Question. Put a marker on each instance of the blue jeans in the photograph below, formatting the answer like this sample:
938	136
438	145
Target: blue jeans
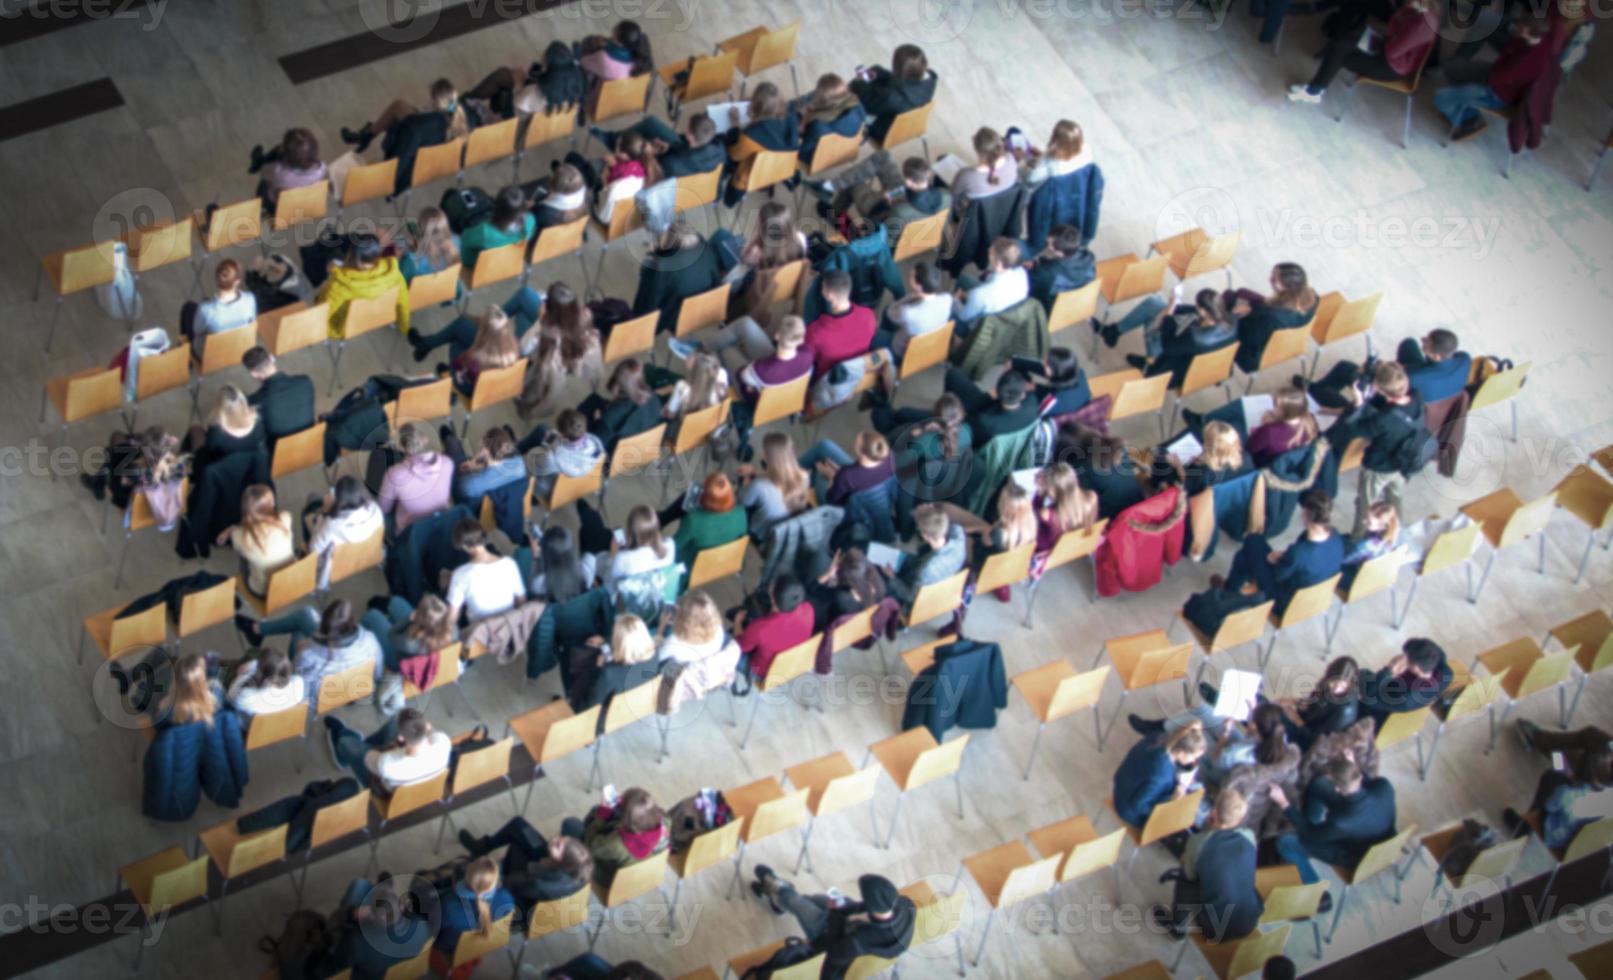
831	451
398	611
1460	103
1290	849
299	624
1141	315
460	333
351	747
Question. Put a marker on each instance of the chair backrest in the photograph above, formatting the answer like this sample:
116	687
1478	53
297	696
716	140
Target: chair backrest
696	427
624	220
1592	635
348	559
166	880
760	48
719	562
1093	855
205	608
1494	863
844	792
1309	602
1074	306
938	598
639	878
1591	839
553	732
834	150
631	337
1253	951
788	280
781	401
417	966
637	452
78	269
1285	345
1006	568
436	162
558	915
858	627
277	726
498	265
1109	385
1171	817
155	246
1343	318
1587	495
1139	396
622	96
1213	252
146	628
777	815
1132	277
1382	855
1546	671
1289	903
432	288
1146	659
1077	693
910	125
570	489
296	205
345	687
1208	369
938	917
703	310
546	127
920	236
254	851
474	946
1525	522
558	240
290	583
709	849
1076	544
482	766
370	181
696	190
710	74
1400	726
937	763
86	394
414	796
223	350
138	514
791	663
491	142
1028	880
298	451
1451	548
1499	387
294	327
234	224
423	402
926	351
1243	626
632	705
1375	575
336	820
163	372
497	385
770	167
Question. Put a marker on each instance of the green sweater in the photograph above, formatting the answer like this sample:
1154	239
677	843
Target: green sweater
484	237
702	529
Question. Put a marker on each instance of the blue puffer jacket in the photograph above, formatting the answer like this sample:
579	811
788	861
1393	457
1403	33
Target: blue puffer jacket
848	123
1073	199
185	761
873	273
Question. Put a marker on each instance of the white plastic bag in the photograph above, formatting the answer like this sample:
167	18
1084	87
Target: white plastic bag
142	344
119	298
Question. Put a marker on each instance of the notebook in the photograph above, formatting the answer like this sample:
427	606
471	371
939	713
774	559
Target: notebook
1240	691
719	115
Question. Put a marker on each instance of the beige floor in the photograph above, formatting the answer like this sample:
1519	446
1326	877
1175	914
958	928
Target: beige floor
1189	125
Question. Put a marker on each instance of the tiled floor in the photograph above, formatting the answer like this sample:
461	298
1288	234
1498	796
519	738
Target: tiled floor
1188	122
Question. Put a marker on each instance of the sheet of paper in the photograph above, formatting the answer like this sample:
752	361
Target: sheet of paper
1255	408
1239	691
947	168
884	556
1186	449
719	114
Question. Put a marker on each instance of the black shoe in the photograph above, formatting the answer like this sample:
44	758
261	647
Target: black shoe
1137	361
1143	726
1171	874
441	369
420	355
477	846
760	891
1208	692
1325	905
1110	334
1469	129
359	140
1175	843
444	431
251	629
741	685
413	336
1193	419
1300	381
94	484
257	159
1165	920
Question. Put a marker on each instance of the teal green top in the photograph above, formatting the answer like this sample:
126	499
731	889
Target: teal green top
484	236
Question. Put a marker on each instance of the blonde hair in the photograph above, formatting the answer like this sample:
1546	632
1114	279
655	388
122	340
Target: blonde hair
1187	740
1223	450
707	384
430	625
784	470
1072	508
434	239
193	696
1015	516
495	345
1292	408
259	513
931	521
482	875
696	619
232	411
1066	141
630	640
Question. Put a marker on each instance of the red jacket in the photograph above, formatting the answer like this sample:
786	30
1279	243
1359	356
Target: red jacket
1140	542
1410	36
1518	66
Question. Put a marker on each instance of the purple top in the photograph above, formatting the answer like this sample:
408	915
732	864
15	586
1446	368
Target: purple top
1270	441
770	372
416	487
857	478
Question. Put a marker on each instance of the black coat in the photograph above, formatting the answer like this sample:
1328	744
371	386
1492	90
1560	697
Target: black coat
215	499
407	137
683	160
846	938
297	812
416	559
670	276
285	402
1341	829
885	97
983	221
1256	328
1227	904
965	687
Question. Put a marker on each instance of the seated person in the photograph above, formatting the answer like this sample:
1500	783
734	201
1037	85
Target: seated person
619	832
1102	465
599	673
1289	425
230	307
346	514
545	87
1061	385
775	491
292	164
477	901
560	198
880	925
695	151
1006	284
1411	33
837	475
1315	557
713	520
285	402
888	92
1391	422
772	126
405	750
1520	64
995	171
364	274
780	620
1573	794
1215	890
322	642
418	485
496	346
568	448
1012	411
927	307
264	684
1292	304
146	461
375	930
885	195
262	538
1332	706
628	168
624	53
496	464
831	108
1343	815
510	222
788	359
682	264
1436	367
488	584
627	407
406	129
941	554
407	632
1157	770
706	385
1414	679
1064	264
641	547
1381	536
559	573
429	245
522	308
1176	333
844	331
534	869
849	585
1222	461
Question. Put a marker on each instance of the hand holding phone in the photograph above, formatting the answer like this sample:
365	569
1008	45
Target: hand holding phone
1558	762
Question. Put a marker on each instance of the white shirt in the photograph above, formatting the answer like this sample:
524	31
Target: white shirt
684	652
680	394
250	700
352	527
918	315
636	561
486	589
396	767
996	294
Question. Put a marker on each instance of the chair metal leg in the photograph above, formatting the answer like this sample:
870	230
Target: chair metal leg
1573	705
1338	912
985	934
1473	593
1037	742
895	817
1585	557
50	334
755	708
593	770
806	842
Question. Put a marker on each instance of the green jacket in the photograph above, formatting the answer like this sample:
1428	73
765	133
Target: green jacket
1019	331
702	529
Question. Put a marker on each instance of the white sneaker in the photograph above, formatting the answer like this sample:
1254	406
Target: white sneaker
1301	93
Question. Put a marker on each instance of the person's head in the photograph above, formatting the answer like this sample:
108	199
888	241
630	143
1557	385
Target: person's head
430	624
563	308
1344	774
495	345
878	895
1066	141
349	494
414	438
1383	521
1230	809
444	96
1291	288
299	149
789	335
572	857
363	250
1390	381
1004	254
783	467
1339	679
1212	309
776	237
338	623
908	63
1268	722
1012	388
949	419
787	591
469	536
1223	449
630	640
1293	409
702	129
917	175
926	279
1015	515
227	276
572	425
274	669
1316	507
643	530
717	494
627	381
1532	28
1423	655
858	575
632	37
831	90
633	144
499	443
990	151
932	524
1186	745
708	382
1281	967
1440	344
414	731
1064	240
563	576
1062	486
1063	367
260	515
696	619
193	696
481	880
568	181
259	363
233	411
640	815
767	102
509	208
871	447
836	286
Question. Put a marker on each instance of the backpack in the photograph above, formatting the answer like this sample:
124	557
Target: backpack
1414	452
466	207
689	818
1469	842
305	942
608	313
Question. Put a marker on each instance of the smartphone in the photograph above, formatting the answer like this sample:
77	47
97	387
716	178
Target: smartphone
1558	762
620	536
1176	295
609	795
1018	144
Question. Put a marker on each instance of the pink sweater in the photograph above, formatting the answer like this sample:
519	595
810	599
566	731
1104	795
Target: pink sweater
415	488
